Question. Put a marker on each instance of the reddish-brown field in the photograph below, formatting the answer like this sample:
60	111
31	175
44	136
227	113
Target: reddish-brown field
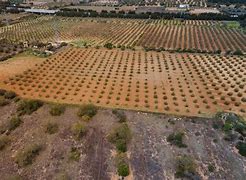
186	84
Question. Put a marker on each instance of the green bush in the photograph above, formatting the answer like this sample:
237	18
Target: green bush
57	110
122	165
14	123
237	52
121	145
185	164
51	128
121	115
3	101
28	106
4	141
241	146
78	130
27	156
211	168
74	154
10	95
108	45
241	128
120	136
87	110
177	139
227	127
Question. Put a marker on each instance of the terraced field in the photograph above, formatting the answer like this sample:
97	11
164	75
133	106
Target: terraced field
182	83
203	36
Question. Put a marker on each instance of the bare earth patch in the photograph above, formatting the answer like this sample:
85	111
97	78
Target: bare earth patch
17	65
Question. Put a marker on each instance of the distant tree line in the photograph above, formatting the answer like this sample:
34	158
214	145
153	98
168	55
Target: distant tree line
243	23
3	5
227	1
131	14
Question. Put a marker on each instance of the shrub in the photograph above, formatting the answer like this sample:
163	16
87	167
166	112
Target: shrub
14	177
87	110
211	168
14	123
78	130
241	146
74	154
121	115
4	141
121	145
28	106
108	45
122	165
120	136
237	52
177	139
2	92
10	95
57	110
62	176
3	101
51	128
240	127
27	156
185	165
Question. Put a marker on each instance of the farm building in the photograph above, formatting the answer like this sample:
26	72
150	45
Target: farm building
41	11
150	9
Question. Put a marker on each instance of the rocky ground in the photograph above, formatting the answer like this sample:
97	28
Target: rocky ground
150	155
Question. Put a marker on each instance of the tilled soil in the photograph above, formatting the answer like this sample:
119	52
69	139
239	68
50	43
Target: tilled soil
174	83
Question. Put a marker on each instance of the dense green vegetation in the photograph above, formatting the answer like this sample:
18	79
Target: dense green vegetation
122	165
177	139
234	128
28	106
227	1
89	13
120	136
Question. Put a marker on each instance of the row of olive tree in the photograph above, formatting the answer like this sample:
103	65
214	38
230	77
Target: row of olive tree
156	15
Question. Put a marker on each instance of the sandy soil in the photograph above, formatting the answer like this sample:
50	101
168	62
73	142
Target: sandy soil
186	84
17	65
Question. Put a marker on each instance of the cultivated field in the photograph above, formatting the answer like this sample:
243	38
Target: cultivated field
187	84
201	36
8	50
12	17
